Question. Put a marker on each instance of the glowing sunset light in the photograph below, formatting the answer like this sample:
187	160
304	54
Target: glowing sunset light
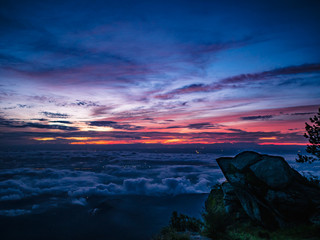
177	77
268	138
45	139
171	141
99	142
77	138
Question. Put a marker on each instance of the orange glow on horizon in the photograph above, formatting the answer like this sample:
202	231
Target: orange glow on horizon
76	138
174	141
45	139
100	142
268	138
148	141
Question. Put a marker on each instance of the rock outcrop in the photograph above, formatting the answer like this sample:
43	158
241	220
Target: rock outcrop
269	190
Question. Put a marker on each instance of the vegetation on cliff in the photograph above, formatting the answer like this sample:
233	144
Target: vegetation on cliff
218	225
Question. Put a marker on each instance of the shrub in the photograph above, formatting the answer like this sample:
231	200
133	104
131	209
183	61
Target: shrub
216	220
179	227
312	179
182	223
168	233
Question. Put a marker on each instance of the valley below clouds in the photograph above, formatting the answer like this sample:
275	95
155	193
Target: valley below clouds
35	181
31	185
119	194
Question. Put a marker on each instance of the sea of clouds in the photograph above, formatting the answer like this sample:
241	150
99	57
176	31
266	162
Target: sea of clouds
36	181
32	182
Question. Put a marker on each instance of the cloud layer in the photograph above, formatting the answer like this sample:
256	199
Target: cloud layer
32	185
80	176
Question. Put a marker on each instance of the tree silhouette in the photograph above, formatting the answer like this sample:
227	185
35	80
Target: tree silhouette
313	136
182	223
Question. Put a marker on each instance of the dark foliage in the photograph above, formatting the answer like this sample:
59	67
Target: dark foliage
312	179
313	136
216	220
167	233
179	228
182	223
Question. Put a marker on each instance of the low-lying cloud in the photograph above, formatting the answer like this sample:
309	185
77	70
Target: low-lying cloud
31	185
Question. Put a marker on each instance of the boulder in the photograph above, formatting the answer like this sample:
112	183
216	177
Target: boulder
230	199
269	190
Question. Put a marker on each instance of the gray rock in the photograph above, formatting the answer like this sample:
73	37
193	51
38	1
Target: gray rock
269	190
244	159
231	202
274	171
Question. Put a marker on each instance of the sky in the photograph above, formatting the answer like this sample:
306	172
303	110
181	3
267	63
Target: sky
168	72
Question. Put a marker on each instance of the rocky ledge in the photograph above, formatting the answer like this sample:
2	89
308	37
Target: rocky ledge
269	190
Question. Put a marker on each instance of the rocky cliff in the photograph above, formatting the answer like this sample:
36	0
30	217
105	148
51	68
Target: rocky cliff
269	190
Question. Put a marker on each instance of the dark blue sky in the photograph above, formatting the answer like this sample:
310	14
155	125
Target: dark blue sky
158	71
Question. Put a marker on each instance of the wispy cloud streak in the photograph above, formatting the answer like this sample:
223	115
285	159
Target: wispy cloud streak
242	79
